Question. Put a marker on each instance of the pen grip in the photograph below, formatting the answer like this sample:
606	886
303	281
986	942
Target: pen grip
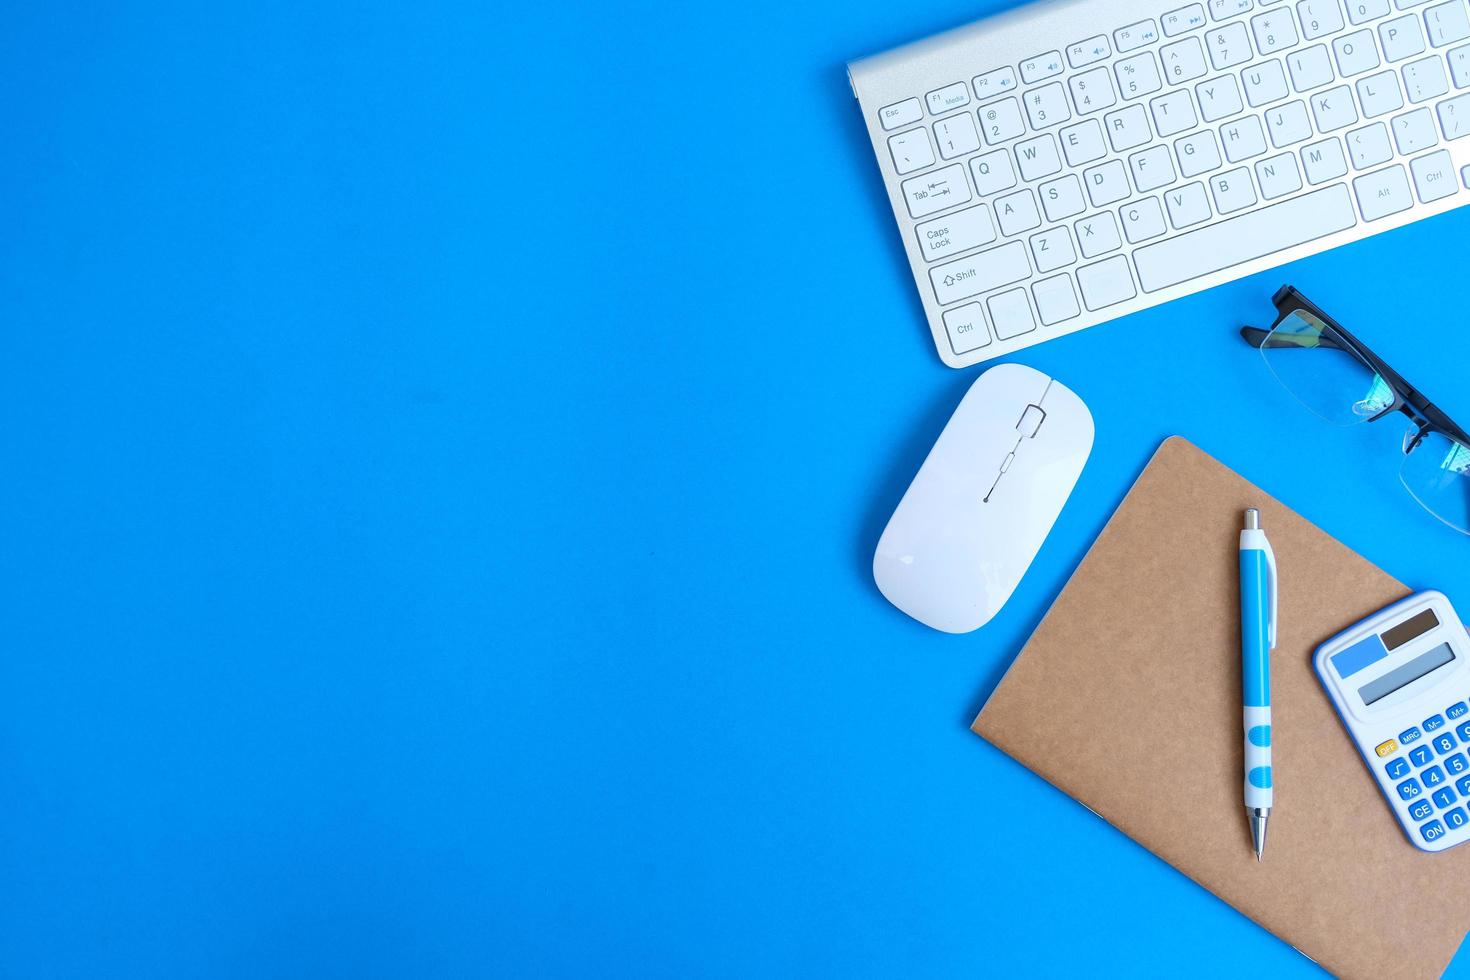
1258	757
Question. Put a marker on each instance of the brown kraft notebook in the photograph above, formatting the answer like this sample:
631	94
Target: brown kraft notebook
1145	638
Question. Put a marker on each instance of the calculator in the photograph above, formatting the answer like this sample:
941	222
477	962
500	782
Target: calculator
1400	681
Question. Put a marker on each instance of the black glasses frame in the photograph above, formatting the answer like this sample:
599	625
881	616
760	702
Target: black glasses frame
1406	398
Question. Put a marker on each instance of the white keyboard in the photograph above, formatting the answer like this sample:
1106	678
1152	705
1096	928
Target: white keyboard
1071	161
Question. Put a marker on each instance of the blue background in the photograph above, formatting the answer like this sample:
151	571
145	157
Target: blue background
443	449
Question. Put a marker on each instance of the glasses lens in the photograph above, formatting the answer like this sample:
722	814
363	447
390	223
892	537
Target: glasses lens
1328	379
1437	473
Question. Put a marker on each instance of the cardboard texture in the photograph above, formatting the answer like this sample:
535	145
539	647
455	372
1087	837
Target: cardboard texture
1127	697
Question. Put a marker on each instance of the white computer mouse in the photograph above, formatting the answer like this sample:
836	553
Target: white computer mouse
985	499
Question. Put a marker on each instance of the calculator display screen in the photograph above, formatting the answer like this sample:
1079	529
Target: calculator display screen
1407	674
1410	629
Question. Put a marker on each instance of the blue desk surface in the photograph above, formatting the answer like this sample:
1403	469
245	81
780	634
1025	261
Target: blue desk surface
443	453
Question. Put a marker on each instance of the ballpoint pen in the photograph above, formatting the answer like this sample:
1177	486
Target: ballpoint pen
1258	603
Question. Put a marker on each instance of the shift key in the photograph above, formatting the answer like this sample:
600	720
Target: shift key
980	273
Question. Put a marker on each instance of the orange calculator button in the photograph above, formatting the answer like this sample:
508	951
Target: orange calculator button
1387	748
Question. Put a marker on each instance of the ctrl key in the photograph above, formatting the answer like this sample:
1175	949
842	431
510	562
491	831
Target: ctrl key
966	328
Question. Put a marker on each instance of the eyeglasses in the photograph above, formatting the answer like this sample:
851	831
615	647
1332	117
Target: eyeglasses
1336	377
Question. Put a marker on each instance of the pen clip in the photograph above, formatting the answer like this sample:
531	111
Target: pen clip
1271	564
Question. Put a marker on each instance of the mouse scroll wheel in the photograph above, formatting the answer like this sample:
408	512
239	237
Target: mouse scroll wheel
1031	420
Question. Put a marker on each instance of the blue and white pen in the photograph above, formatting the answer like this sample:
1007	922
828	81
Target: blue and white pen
1257	639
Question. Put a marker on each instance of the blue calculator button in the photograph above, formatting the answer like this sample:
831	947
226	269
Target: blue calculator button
1456	710
1463	785
1443	797
1408	735
1464	732
1420	810
1434	724
1456	764
1397	769
1432	831
1432	776
1456	818
1408	789
1444	744
1421	756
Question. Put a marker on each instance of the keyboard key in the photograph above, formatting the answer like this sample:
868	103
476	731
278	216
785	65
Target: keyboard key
1369	147
911	151
1229	46
1056	300
1402	37
1433	177
1010	312
1457	710
1414	131
1001	121
1274	30
947	98
1425	79
954	233
966	328
900	114
1092	91
1409	736
1221	9
1135	36
1333	109
1173	113
980	273
1397	769
1454	117
1421	756
1176	22
1421	809
1443	797
1379	94
1052	249
1106	183
1409	789
1309	67
1038	157
1447	23
1362	11
1138	76
931	193
1198	154
995	82
1444	744
1083	143
956	136
1084	53
1278	176
1407	4
1183	60
1456	764
1460	66
1097	234
1047	106
1289	124
1355	53
1455	818
1105	283
1041	67
1433	723
1433	776
1249	236
1152	168
1232	191
1218	98
1242	139
1189	205
1142	220
1432	831
1319	18
1017	212
1127	128
993	172
1264	83
1062	198
1324	161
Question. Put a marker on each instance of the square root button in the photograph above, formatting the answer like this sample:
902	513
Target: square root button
966	328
